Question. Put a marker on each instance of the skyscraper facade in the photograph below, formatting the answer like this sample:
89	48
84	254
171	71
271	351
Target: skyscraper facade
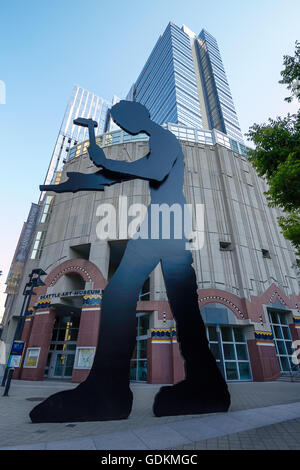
167	84
219	104
184	82
85	104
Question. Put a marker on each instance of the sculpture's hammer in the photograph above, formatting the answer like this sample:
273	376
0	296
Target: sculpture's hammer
87	123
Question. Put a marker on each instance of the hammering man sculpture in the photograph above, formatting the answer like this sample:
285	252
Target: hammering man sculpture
106	394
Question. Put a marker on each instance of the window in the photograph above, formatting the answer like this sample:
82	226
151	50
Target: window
46	209
108	139
72	153
85	146
32	357
84	357
38	245
266	253
229	347
225	246
282	340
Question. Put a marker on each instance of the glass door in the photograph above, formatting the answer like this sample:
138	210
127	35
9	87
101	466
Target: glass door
62	349
230	351
62	365
138	364
282	340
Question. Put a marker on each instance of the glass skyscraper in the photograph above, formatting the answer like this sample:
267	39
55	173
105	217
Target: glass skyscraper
167	84
82	103
184	82
219	104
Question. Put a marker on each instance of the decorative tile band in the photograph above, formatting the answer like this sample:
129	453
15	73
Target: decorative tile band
265	343
90	308
264	335
91	299
163	334
161	341
43	304
217	297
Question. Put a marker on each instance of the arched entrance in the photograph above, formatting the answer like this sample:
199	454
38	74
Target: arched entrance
65	309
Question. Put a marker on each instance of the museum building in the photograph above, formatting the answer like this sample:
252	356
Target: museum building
246	271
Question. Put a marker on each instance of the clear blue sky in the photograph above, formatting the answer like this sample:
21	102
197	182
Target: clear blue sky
48	45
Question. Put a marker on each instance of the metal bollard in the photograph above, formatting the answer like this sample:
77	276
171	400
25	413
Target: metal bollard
7	385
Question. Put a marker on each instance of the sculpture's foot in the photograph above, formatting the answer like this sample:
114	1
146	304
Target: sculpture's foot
84	403
186	398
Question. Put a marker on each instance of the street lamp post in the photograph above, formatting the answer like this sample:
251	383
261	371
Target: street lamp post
34	281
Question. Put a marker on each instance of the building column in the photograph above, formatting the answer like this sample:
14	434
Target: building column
87	336
264	362
159	357
39	337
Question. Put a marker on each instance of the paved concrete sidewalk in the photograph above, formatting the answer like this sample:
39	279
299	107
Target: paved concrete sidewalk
279	436
254	405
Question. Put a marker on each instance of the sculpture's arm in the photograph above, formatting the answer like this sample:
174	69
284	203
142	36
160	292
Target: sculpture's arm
146	168
85	182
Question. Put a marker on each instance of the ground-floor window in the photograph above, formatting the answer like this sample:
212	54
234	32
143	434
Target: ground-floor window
138	364
229	347
61	356
283	340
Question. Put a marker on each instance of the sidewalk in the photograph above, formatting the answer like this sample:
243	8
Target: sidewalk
259	412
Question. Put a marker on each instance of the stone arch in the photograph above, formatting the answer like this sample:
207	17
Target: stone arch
234	305
86	269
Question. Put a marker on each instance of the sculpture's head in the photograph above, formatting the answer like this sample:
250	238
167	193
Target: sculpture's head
131	116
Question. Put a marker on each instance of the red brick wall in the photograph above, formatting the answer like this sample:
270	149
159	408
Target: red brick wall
264	363
41	333
87	336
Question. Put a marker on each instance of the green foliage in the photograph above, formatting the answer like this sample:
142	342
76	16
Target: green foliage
273	144
276	156
291	73
285	184
290	226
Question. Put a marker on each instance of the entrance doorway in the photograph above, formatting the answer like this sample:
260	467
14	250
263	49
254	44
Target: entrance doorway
61	356
61	365
229	347
283	340
138	364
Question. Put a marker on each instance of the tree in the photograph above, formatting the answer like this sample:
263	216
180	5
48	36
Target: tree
276	156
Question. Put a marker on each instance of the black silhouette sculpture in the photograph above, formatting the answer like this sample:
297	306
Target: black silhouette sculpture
105	394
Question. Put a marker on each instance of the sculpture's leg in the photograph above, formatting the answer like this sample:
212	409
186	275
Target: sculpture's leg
105	395
204	390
